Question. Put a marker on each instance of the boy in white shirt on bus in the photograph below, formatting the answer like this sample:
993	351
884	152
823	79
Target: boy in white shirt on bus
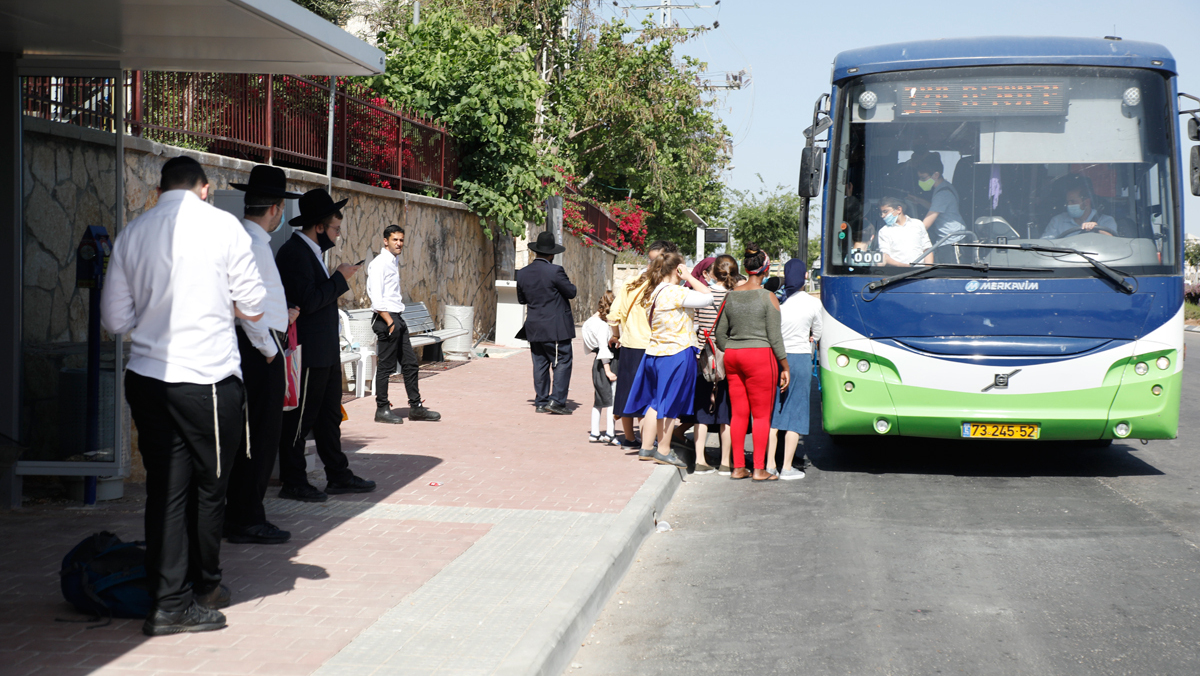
902	239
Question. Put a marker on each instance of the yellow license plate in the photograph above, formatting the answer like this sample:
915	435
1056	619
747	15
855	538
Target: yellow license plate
977	430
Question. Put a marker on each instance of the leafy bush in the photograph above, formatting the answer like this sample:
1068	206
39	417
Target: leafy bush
1191	293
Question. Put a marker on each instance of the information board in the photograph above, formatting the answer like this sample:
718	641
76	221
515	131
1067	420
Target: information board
981	97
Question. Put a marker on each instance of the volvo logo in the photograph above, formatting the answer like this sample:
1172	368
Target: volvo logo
1001	381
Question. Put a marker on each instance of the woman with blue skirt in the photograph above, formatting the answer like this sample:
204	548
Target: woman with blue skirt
666	379
801	324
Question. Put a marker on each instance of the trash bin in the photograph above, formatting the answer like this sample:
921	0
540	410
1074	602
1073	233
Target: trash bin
458	317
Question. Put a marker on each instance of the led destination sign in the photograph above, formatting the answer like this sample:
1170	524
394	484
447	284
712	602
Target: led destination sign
981	97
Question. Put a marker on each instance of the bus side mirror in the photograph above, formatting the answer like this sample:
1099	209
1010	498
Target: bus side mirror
1194	129
1195	172
812	160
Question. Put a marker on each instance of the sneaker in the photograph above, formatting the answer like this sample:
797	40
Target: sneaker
702	468
646	453
668	459
421	413
604	438
303	493
772	471
195	618
258	534
791	474
352	485
216	599
724	470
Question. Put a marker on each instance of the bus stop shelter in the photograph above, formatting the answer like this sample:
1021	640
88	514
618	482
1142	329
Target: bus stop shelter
104	38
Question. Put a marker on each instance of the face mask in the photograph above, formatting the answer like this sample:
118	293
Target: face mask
324	242
890	219
1075	210
925	185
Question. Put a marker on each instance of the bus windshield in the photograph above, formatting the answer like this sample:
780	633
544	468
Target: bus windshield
1064	157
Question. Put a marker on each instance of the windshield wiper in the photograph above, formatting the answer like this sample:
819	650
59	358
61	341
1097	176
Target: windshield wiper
1115	276
981	267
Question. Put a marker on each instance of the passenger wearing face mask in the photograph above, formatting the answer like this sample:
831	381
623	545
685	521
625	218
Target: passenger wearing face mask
1080	216
901	239
311	287
943	217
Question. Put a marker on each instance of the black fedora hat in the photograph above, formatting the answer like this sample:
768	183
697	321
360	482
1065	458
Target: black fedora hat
545	245
268	181
315	205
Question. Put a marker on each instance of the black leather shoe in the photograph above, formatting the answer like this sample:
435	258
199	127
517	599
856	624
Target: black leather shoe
384	414
352	485
258	534
305	493
216	599
422	413
558	409
539	409
195	618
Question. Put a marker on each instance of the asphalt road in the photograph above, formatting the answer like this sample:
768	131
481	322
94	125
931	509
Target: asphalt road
946	558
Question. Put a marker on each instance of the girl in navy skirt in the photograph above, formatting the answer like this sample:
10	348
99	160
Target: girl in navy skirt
666	379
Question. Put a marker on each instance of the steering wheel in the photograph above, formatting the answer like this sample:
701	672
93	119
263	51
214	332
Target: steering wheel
1075	231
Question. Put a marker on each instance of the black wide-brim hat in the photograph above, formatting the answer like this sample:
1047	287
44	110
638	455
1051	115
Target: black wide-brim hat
546	245
315	205
269	181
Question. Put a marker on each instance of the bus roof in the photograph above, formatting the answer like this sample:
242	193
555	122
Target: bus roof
999	51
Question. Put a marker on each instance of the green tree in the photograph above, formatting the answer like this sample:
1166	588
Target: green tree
770	218
483	85
333	11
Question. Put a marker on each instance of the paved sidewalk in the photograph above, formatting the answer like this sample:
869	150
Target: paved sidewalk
493	540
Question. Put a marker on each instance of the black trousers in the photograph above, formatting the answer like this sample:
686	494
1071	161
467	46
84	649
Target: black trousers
390	348
546	356
265	385
187	435
319	412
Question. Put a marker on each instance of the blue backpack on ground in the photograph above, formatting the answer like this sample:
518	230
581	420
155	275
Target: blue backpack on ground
105	577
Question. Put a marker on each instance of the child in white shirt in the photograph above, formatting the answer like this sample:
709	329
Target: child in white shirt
596	336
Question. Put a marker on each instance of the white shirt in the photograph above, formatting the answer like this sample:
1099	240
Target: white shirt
383	283
316	249
174	276
800	317
275	314
906	242
596	333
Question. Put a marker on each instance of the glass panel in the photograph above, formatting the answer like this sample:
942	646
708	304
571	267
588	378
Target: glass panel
1068	157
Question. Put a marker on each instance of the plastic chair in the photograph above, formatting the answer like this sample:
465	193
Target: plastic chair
358	328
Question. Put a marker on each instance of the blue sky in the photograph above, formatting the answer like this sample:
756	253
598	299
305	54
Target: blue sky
790	45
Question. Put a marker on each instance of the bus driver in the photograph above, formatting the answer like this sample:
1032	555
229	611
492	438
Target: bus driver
901	239
1080	215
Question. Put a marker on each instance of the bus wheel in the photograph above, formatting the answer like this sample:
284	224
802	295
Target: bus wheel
1098	443
846	442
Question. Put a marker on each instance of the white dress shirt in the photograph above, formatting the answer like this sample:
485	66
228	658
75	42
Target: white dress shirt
173	278
383	283
275	314
800	317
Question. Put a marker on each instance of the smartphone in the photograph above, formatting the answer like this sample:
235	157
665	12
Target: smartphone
360	262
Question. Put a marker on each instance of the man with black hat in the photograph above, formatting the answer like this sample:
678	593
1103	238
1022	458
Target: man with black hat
261	345
310	287
549	324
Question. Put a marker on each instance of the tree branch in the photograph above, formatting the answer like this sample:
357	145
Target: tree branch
585	130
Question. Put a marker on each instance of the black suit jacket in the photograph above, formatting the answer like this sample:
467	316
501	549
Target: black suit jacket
544	287
308	287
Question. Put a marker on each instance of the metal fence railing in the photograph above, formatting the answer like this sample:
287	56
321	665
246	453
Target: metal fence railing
275	119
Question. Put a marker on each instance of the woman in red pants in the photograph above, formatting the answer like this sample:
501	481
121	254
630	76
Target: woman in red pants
749	332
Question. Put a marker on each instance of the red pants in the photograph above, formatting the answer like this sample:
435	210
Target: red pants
753	375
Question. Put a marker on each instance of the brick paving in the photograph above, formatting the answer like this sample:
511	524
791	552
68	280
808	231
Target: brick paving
478	520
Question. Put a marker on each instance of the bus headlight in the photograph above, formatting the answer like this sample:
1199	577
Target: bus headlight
1122	429
1163	363
863	366
882	426
1156	390
843	361
849	386
1141	368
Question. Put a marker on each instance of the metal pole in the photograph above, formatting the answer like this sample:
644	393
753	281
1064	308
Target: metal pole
119	339
329	145
554	221
270	119
699	244
802	230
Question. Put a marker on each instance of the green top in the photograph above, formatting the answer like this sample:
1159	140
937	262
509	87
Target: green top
750	319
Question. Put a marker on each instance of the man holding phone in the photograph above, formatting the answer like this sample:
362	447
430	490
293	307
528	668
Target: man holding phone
310	286
383	288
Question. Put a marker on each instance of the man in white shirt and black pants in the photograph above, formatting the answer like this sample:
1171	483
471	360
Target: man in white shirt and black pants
391	332
178	276
261	345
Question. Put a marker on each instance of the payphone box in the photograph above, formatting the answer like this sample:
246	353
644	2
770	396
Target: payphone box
91	258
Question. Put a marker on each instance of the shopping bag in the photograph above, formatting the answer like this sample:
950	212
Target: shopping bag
345	417
291	365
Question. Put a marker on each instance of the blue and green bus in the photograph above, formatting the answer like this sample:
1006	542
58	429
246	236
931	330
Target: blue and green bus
1051	305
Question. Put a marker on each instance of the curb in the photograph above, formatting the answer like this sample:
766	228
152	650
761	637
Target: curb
551	642
1193	329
